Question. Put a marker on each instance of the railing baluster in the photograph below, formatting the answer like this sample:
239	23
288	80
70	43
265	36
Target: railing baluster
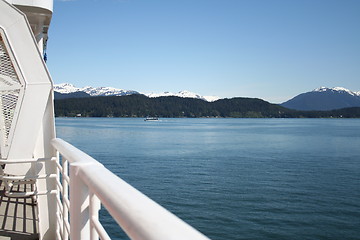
100	229
59	225
95	205
79	205
65	195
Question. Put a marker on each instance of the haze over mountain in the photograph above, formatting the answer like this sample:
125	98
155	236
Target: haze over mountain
67	90
324	99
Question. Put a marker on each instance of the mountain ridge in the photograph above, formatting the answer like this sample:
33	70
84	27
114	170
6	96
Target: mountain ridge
324	99
319	99
138	105
336	89
67	90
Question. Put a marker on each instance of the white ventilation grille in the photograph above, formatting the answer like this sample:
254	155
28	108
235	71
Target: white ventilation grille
6	66
10	87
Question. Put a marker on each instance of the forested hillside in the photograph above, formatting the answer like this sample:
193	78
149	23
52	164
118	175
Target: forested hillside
142	106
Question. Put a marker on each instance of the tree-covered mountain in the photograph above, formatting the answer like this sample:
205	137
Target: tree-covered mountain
58	95
142	106
320	99
324	99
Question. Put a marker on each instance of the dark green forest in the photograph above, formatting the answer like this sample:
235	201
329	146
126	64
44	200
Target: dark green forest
175	107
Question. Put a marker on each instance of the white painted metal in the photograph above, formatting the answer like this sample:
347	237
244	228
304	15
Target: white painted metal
136	214
62	181
79	205
11	94
41	4
96	228
38	13
99	229
29	66
65	195
30	178
29	121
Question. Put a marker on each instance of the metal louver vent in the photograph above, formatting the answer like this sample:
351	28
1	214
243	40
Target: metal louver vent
10	87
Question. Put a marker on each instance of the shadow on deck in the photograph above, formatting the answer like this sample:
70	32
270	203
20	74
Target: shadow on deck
18	218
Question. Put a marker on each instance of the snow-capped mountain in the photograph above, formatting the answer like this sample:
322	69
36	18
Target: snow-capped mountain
336	89
324	99
183	94
67	88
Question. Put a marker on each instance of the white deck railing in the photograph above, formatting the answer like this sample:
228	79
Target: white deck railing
90	183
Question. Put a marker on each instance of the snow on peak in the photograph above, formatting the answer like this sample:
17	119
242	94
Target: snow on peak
98	91
341	89
337	89
320	89
183	94
211	98
66	88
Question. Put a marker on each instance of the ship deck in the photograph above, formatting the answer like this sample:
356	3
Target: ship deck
18	218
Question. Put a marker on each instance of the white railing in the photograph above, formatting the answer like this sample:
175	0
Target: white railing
11	180
90	183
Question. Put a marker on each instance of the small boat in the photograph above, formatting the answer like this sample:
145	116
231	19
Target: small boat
151	119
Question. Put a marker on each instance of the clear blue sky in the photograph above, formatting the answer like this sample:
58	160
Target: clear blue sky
270	49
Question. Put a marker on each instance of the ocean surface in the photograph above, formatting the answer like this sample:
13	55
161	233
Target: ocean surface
235	178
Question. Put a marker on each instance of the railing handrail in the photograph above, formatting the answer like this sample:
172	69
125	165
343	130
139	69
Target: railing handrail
28	160
71	153
139	216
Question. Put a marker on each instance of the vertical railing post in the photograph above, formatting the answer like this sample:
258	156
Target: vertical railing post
79	205
59	225
65	187
95	205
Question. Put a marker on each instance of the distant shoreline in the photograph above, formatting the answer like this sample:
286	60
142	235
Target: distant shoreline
219	117
175	107
216	117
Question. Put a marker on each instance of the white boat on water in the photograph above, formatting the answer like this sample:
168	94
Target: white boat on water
151	119
50	189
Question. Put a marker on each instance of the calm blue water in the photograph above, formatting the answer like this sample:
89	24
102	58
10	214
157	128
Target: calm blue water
236	178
